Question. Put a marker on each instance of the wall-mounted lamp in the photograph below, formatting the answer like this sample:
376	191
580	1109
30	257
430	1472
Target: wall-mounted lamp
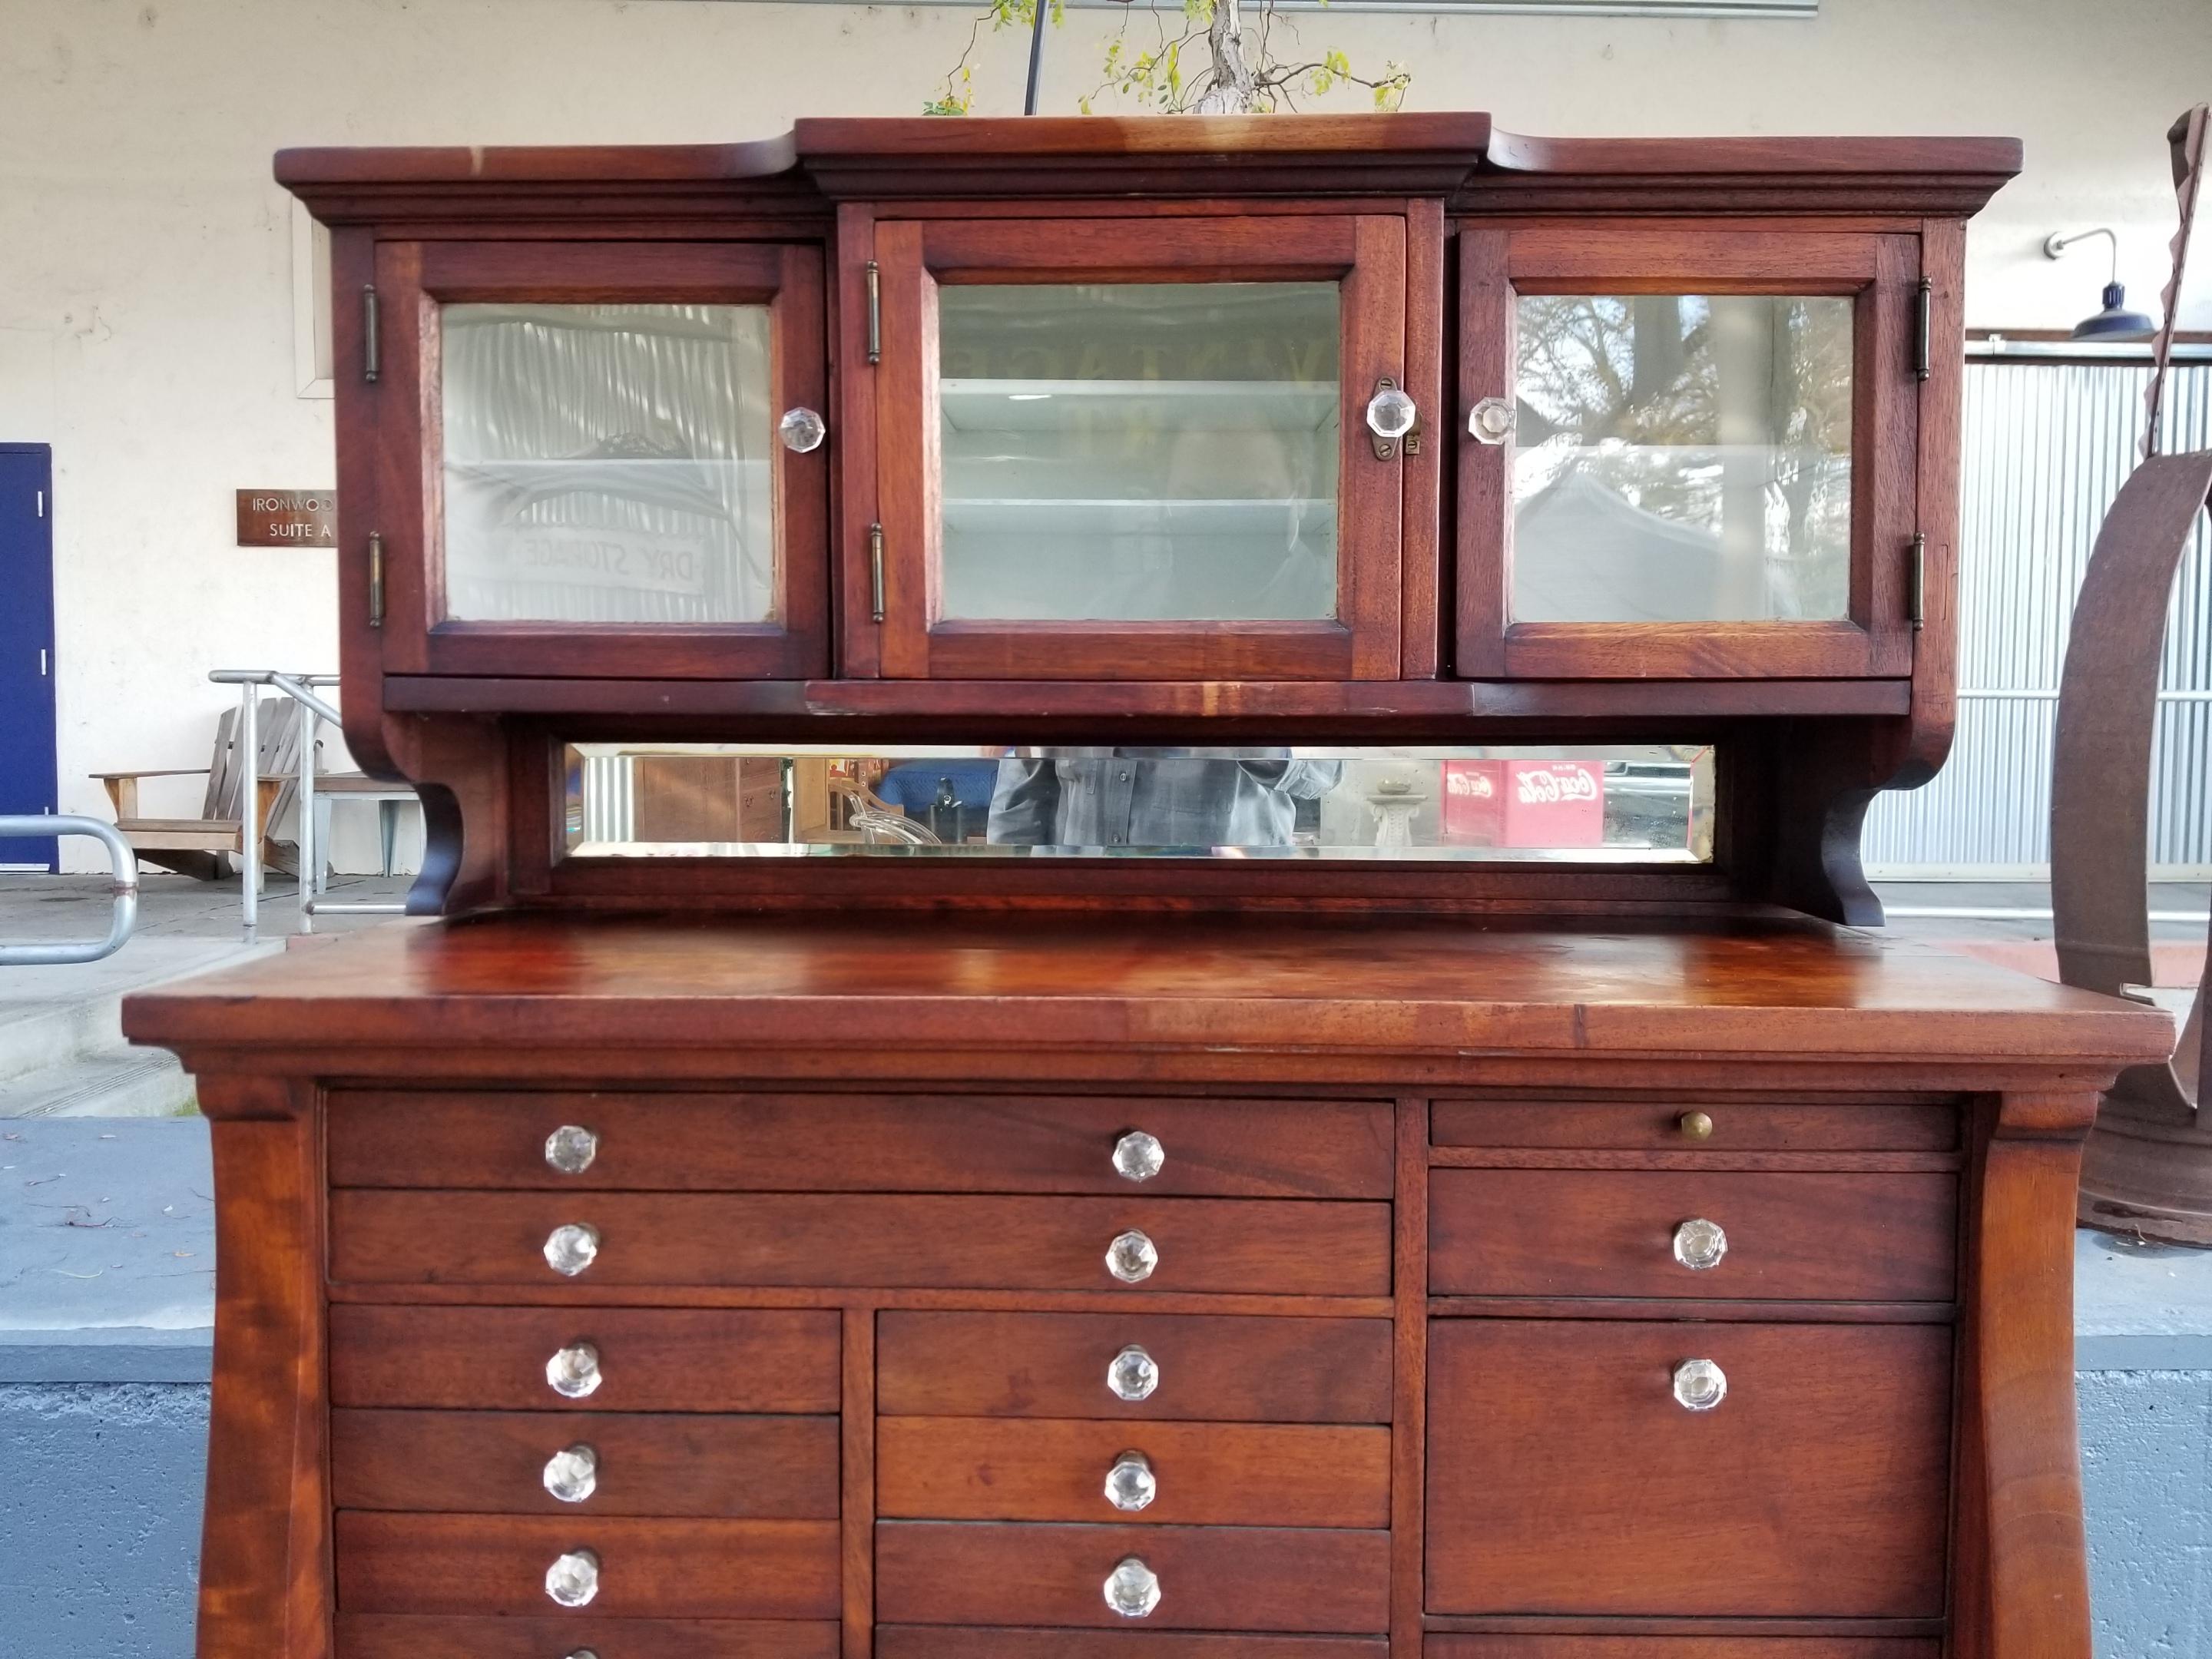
2115	321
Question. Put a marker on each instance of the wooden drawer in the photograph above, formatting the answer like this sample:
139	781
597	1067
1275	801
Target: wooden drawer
1279	1246
863	1143
1237	1474
1211	1368
474	1564
1791	1126
435	1636
661	1463
1679	1647
495	1358
1612	1233
954	1642
1233	1578
1818	1485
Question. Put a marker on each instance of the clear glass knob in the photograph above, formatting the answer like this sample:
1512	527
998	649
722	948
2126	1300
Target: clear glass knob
1131	1483
574	1371
802	429
1134	1374
1132	1257
572	1474
1699	1385
1133	1590
571	1249
573	1579
1699	1244
1492	421
571	1148
1390	413
1139	1156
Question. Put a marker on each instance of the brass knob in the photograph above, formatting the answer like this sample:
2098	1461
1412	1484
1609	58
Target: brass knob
569	1249
1139	1156
573	1579
571	1148
1699	1385
572	1474
1131	1256
1133	1590
573	1371
1133	1375
1695	1125
1131	1483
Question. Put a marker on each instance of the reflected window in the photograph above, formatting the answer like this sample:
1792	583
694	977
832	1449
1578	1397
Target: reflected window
608	464
1139	451
1642	804
1682	458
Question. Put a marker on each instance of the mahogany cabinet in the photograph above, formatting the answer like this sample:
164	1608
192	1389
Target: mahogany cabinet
1098	976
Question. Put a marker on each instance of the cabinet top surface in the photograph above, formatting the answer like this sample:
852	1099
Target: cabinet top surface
1767	985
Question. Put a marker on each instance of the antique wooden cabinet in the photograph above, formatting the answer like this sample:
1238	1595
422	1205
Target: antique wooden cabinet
1138	941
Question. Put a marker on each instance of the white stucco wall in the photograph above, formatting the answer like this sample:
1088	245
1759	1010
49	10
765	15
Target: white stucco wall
146	324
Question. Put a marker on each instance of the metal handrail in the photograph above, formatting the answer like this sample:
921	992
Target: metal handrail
314	711
121	919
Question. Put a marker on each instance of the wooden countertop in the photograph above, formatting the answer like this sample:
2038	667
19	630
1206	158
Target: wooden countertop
1776	986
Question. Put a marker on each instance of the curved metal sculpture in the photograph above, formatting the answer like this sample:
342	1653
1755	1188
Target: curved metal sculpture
2148	1168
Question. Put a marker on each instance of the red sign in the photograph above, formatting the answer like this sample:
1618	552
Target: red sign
1524	803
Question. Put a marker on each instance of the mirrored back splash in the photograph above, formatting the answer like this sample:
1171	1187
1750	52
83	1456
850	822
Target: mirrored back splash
1617	803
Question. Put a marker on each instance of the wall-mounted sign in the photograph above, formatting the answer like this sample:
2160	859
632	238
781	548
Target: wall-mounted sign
288	518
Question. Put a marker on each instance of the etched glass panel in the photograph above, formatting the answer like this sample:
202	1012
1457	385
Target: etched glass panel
1609	805
1139	451
1682	458
608	464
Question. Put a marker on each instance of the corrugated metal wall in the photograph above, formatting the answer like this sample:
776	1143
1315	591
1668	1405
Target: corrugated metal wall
2047	447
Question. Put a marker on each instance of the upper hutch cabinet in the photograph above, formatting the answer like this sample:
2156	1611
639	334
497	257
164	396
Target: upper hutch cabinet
1687	453
601	458
1138	448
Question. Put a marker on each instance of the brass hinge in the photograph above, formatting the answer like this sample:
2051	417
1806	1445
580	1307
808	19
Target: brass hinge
876	571
375	579
875	312
1924	346
371	353
1916	592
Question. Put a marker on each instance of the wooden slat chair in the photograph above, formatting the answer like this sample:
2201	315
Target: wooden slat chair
202	846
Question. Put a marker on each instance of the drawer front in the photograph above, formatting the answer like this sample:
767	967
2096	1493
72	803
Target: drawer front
1198	1367
435	1636
1818	1486
672	1463
1238	1474
637	1359
1680	1647
1232	1578
1614	1233
863	1143
646	1569
1274	1246
953	1641
1712	1126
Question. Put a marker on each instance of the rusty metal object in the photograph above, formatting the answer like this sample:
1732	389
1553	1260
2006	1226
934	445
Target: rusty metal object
2148	1171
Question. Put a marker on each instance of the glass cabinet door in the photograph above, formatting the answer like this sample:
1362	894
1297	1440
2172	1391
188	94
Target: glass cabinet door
1686	456
621	456
1120	449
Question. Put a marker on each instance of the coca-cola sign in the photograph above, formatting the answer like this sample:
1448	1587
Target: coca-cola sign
1561	781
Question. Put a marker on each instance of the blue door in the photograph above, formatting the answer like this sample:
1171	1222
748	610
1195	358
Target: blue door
27	645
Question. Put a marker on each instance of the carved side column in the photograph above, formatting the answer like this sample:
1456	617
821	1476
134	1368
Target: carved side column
265	1547
2022	1555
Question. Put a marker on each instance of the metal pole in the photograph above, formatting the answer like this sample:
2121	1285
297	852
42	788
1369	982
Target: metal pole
249	803
1037	56
311	719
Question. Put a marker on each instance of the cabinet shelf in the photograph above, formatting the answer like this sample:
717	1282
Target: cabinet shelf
993	405
1210	516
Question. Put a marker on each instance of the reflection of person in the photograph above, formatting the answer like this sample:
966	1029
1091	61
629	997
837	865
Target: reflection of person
1154	797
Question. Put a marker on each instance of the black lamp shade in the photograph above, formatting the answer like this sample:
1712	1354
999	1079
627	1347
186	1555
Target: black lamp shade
2115	321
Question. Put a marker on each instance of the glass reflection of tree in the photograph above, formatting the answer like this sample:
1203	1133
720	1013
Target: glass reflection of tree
1728	413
